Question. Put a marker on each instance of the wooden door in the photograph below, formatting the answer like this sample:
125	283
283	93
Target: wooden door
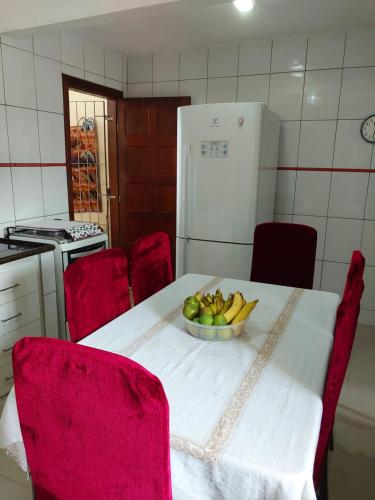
147	140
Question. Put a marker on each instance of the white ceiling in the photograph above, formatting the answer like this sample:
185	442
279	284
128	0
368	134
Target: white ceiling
198	23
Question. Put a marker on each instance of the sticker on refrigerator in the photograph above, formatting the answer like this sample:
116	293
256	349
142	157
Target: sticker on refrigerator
214	149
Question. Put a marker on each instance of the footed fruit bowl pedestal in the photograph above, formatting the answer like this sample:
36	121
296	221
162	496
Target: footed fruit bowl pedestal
211	332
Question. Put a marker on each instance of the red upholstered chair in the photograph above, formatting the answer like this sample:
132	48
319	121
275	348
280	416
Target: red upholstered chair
151	265
345	328
96	291
95	424
284	254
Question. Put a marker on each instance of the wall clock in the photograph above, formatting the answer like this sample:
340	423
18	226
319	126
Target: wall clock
368	129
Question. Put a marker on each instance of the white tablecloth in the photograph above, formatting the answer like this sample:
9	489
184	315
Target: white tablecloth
244	414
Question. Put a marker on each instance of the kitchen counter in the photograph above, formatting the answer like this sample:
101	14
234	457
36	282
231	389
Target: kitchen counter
11	250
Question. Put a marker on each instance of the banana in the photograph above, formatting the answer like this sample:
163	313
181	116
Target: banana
227	304
245	311
213	308
234	309
198	296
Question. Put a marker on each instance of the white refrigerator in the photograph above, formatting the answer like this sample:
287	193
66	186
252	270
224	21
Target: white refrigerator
226	174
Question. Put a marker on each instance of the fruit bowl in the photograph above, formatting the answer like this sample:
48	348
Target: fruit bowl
211	332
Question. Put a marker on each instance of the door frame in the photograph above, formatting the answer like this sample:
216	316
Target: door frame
73	83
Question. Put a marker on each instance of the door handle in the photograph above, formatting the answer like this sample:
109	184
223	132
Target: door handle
12	317
9	287
112	197
8	379
8	349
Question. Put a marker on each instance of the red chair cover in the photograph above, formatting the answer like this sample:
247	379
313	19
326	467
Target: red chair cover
96	291
345	328
95	424
151	265
284	254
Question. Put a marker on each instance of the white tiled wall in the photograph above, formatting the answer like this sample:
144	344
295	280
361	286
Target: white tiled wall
322	87
31	118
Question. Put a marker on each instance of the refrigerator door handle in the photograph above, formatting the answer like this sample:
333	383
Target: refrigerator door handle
187	179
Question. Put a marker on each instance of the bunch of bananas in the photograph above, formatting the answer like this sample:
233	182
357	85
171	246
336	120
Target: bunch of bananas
214	310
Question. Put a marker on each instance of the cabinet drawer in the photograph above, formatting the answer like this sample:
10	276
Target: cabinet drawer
15	314
6	378
8	340
17	279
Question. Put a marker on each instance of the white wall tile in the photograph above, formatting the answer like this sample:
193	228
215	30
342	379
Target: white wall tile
283	218
4	147
140	90
22	123
348	195
359	49
55	193
370	205
113	84
286	95
51	134
6	196
317	274
72	71
317	140
196	89
125	70
94	78
312	193
321	94
222	90
165	89
72	50
357	94
368	242
351	151
368	300
342	238
288	143
288	54
25	43
140	69
193	64
334	277
48	45
285	188
19	80
223	61
253	88
318	223
113	65
27	189
94	58
255	57
166	67
326	51
2	99
48	84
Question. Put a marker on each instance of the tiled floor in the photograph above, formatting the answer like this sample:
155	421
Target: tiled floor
351	465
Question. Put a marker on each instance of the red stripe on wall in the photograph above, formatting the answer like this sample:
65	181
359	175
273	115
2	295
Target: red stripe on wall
32	165
317	169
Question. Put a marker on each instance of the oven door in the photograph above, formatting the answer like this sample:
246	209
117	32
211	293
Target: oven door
72	255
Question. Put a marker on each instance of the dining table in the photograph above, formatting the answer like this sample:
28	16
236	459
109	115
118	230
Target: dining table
245	413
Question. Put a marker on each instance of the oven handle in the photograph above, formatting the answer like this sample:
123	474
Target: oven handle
73	255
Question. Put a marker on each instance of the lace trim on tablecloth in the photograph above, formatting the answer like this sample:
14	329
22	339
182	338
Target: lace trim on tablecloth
220	436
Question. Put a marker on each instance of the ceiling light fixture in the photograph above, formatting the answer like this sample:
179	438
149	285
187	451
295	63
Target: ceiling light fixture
244	5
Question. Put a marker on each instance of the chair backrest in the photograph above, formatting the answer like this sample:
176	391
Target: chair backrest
96	291
151	265
94	424
355	274
345	328
284	254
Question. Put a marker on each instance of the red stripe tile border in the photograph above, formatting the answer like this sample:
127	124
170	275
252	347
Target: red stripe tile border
32	165
317	169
